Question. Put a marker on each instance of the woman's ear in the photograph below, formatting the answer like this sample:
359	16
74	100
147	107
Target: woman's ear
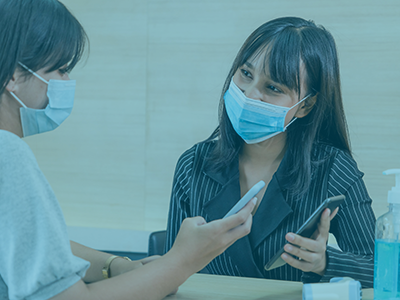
306	106
11	86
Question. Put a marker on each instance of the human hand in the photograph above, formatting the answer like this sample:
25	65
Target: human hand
198	242
312	251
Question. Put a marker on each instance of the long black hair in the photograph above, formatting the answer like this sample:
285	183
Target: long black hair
288	41
39	34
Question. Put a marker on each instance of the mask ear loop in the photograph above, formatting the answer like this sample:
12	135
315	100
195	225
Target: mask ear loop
16	98
295	118
37	76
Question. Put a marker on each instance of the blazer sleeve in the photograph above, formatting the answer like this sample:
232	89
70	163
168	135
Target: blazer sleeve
179	204
353	226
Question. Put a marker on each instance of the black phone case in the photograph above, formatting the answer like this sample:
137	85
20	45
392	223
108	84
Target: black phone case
307	229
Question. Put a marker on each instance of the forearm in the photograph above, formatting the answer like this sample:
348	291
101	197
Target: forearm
342	264
97	261
153	281
175	218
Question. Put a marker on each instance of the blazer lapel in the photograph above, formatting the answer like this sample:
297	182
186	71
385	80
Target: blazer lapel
272	211
273	208
241	251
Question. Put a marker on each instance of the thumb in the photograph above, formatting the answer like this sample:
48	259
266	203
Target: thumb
198	221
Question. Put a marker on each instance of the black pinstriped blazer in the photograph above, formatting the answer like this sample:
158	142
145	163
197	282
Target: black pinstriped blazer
199	191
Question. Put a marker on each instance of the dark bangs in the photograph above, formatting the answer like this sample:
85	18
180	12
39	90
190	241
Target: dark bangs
53	42
282	53
283	56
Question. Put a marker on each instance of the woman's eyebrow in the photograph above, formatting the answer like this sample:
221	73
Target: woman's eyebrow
249	65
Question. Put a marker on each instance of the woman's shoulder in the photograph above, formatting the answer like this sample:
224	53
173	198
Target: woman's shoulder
343	169
7	136
13	149
197	152
323	151
194	157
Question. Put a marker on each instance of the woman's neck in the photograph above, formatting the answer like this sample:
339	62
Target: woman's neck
9	115
266	153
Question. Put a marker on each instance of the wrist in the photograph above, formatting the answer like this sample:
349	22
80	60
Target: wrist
117	266
114	266
184	268
320	273
324	265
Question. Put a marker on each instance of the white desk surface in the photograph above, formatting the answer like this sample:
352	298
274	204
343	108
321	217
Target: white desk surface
215	287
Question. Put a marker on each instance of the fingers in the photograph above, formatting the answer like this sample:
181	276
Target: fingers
295	263
231	222
309	244
334	213
304	254
240	230
197	220
256	206
211	239
238	225
241	217
307	262
193	222
324	225
312	255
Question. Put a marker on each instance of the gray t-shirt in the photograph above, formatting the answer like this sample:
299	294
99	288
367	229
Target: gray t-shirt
36	261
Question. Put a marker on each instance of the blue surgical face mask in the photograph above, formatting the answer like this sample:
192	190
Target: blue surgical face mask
61	100
254	120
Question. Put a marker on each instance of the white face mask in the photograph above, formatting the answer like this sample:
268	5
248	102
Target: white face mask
255	121
61	95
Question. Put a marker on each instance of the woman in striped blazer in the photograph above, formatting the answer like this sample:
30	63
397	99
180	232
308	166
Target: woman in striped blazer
281	120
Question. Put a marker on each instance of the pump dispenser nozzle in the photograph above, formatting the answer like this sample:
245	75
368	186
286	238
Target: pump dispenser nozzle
394	193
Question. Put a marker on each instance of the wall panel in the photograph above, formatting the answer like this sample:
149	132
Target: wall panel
151	86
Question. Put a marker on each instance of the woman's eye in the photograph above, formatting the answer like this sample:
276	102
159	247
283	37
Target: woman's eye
245	73
274	89
64	69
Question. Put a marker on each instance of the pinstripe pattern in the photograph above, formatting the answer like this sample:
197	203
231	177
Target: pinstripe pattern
197	191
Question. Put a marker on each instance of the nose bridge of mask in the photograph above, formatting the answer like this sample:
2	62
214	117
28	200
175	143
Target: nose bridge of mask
256	104
241	94
34	73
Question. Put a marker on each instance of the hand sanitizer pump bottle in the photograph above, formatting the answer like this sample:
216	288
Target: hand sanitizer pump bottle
387	246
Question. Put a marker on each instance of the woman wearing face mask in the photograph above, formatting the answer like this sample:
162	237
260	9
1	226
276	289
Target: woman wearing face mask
281	120
42	42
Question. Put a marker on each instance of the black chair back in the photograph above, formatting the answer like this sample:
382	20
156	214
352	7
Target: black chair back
157	242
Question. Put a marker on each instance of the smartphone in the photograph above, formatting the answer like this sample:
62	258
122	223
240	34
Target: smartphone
246	198
308	228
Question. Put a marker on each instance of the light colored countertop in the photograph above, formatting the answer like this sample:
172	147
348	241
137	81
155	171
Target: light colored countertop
215	287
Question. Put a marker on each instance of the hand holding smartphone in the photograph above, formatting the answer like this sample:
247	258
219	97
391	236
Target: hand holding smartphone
308	228
246	198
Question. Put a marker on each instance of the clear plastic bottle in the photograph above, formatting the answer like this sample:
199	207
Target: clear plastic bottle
387	247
